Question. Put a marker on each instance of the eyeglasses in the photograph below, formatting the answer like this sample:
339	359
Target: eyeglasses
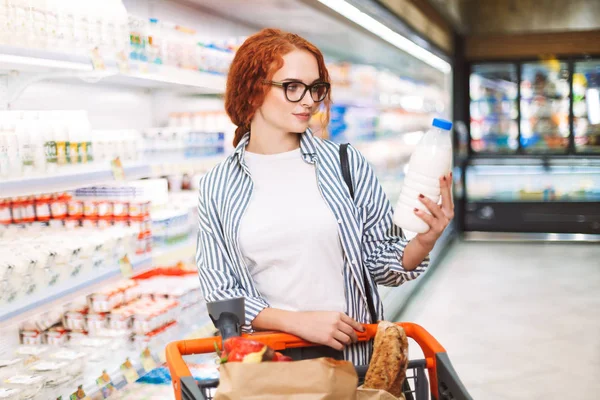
295	91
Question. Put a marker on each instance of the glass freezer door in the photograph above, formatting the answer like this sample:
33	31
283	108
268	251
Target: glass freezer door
493	93
586	106
545	94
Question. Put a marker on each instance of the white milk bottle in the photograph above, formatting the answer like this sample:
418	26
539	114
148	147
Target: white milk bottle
431	159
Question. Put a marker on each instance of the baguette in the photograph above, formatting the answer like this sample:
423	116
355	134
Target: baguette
387	369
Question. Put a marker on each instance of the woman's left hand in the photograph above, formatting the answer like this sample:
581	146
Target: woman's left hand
440	216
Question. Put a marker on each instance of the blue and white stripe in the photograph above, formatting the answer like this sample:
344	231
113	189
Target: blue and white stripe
368	236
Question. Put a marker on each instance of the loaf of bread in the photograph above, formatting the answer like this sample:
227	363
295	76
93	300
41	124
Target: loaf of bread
387	369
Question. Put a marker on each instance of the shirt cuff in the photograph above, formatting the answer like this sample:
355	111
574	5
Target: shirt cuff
399	268
253	306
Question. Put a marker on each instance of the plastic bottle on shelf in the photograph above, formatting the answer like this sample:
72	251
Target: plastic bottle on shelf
26	143
121	33
39	9
48	140
431	159
37	140
61	137
5	23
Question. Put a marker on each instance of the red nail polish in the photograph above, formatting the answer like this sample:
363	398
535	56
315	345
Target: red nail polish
421	196
444	178
416	210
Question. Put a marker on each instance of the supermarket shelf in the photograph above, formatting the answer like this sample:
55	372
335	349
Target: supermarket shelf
163	77
62	66
71	178
69	287
41	61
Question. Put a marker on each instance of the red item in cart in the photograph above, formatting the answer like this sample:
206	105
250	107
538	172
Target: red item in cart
5	212
42	207
236	349
75	208
59	206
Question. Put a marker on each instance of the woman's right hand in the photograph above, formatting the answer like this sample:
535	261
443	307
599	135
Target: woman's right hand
328	328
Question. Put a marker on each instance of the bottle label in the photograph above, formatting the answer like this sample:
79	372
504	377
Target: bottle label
27	155
51	152
89	152
73	153
62	155
83	152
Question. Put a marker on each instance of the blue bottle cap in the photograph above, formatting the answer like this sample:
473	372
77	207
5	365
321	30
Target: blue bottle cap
442	124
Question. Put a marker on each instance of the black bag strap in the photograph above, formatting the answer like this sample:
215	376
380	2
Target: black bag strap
347	175
346	168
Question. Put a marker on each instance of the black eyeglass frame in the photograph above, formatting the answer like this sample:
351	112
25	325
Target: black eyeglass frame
284	86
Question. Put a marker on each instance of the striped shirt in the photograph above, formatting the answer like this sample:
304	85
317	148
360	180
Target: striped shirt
369	238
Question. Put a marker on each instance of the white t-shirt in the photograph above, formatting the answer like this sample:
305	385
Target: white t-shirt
289	236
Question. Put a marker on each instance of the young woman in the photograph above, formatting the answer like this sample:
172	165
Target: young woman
278	225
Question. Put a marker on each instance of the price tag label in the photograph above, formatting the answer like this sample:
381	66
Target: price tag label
129	372
148	361
105	385
79	394
126	267
117	169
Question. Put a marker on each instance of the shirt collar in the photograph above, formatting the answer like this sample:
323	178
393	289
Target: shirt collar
307	146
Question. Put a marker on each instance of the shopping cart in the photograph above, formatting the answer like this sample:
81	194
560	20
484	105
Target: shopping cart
443	382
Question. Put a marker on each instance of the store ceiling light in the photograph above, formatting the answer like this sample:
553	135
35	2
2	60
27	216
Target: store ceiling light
372	25
10	59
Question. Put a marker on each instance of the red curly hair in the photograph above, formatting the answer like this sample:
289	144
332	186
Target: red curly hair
257	60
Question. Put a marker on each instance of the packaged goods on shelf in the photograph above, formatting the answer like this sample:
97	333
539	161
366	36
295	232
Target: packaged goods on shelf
160	42
121	143
189	135
34	259
372	104
65	26
41	142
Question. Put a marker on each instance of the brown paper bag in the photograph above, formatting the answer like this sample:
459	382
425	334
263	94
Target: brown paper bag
374	394
319	379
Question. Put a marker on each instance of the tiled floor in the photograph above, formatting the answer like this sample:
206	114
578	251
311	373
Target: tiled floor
519	321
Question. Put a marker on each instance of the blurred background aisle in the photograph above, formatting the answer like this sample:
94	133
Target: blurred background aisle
111	111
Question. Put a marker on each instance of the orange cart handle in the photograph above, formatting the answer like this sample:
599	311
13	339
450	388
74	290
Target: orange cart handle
281	341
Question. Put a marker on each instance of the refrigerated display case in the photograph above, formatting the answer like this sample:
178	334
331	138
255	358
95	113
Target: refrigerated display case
534	141
586	106
533	195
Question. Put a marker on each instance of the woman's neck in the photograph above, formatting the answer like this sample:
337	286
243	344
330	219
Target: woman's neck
267	139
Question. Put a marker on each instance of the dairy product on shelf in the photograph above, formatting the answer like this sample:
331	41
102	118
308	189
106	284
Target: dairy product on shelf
431	160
